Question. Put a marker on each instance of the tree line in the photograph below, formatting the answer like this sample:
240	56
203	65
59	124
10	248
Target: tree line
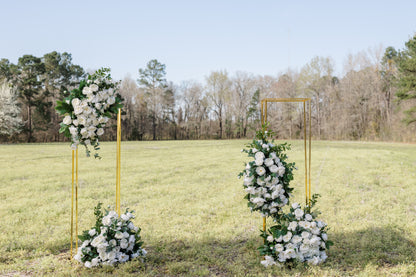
374	99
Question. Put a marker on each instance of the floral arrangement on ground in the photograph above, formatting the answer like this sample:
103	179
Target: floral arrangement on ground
297	237
88	108
114	239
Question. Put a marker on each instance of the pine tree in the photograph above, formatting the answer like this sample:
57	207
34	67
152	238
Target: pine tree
407	78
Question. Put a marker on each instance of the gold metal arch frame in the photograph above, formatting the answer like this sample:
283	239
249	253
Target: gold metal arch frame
74	188
264	103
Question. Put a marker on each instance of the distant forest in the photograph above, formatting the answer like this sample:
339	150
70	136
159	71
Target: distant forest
374	99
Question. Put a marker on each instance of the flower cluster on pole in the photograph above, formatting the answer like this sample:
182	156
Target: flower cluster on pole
88	108
267	177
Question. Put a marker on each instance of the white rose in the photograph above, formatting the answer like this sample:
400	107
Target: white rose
305	235
273	168
260	170
268	162
86	90
91	232
91	128
111	256
308	217
123	258
258	162
251	190
95	262
323	255
100	131
270	238
111	100
324	236
287	237
124	244
296	239
75	102
132	239
298	213
106	220
315	260
82	120
292	225
273	155
258	201
279	247
295	205
78	110
75	122
94	87
84	132
88	264
315	240
259	156
130	226
73	130
268	261
254	150
67	120
119	235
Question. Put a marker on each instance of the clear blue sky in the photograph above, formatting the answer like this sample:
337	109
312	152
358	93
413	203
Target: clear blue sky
195	37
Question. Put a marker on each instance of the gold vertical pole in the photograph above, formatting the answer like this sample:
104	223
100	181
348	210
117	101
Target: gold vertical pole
265	111
306	163
261	108
118	183
76	200
72	202
310	146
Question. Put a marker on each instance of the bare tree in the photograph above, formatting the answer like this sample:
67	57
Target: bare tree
218	90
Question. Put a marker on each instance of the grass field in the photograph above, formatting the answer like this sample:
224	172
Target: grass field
189	204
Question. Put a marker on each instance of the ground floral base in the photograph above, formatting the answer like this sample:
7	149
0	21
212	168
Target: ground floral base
114	239
296	238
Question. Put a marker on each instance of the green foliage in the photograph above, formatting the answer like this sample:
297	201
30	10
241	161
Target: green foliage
407	77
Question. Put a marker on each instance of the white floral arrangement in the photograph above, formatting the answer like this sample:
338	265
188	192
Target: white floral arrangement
267	176
297	238
114	239
88	108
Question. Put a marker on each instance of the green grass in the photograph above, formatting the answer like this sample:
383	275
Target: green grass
189	204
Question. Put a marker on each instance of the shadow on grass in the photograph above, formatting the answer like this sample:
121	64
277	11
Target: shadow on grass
352	252
380	246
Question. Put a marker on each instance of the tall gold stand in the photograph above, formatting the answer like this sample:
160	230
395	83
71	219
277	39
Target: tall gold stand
263	108
118	174
74	188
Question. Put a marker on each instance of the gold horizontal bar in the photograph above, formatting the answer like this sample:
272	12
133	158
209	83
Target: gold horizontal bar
286	99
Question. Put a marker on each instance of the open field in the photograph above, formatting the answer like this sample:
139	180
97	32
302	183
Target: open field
189	204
